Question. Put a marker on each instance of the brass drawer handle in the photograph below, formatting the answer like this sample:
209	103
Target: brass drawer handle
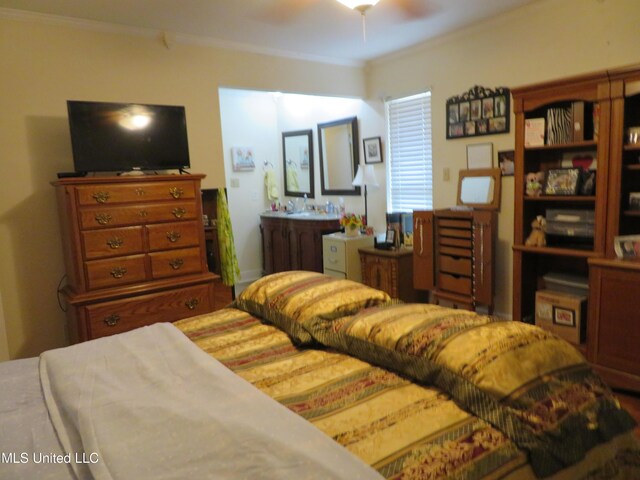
191	304
103	218
178	212
101	197
173	236
112	320
143	213
118	272
176	192
140	192
115	242
176	263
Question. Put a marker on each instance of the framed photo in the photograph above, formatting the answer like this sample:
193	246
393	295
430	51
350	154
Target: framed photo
372	150
479	111
627	247
634	201
391	237
505	162
562	181
242	159
564	317
479	155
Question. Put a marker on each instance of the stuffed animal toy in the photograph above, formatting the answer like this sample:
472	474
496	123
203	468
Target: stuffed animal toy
537	236
534	183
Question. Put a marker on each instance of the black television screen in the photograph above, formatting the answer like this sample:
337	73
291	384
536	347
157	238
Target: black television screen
116	137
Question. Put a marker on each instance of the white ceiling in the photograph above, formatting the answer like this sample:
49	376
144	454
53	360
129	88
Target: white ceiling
315	29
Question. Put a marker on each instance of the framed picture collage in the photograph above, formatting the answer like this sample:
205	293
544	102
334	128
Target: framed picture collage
480	111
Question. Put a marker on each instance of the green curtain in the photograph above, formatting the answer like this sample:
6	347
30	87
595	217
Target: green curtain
228	260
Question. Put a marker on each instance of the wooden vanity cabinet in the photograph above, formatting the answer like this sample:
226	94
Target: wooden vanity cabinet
293	243
134	252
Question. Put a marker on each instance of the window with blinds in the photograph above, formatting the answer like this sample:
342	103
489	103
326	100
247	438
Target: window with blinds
409	170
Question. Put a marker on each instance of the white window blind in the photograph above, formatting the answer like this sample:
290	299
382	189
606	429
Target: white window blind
409	170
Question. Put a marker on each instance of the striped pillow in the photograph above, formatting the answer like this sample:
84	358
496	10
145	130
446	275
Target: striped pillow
290	299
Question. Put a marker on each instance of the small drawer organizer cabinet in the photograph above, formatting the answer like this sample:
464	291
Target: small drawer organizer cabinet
453	254
134	252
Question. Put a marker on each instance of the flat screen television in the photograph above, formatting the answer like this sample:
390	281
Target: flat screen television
119	137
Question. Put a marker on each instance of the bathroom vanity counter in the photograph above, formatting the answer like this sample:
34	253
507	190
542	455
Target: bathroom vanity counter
293	241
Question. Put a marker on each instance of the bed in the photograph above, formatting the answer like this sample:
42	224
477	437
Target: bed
306	376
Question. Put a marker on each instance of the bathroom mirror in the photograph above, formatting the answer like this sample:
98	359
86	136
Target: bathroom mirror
339	156
297	155
479	188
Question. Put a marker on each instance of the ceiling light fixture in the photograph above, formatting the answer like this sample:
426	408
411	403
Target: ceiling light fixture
362	6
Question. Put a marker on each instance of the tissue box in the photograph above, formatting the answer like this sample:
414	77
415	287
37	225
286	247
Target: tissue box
563	314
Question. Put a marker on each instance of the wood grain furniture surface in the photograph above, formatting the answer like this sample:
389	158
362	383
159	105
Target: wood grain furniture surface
293	243
453	255
134	252
609	104
390	271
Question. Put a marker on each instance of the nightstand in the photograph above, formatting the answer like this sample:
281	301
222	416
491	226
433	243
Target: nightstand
340	255
390	271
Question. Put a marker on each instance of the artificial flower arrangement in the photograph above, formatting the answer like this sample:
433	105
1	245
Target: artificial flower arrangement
351	221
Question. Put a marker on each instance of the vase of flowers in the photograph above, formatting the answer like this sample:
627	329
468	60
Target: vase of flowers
352	224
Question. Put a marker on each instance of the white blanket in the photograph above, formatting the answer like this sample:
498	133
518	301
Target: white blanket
150	404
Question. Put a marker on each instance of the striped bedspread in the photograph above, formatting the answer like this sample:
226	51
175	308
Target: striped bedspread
405	431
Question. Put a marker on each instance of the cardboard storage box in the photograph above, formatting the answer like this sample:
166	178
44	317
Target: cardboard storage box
563	314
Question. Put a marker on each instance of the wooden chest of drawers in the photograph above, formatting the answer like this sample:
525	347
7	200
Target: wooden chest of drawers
134	252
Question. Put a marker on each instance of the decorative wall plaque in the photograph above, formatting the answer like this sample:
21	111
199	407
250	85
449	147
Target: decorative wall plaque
480	111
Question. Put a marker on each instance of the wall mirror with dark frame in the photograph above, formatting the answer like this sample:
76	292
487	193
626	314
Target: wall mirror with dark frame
297	155
339	156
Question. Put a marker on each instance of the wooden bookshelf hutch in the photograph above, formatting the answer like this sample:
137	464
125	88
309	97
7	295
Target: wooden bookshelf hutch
611	101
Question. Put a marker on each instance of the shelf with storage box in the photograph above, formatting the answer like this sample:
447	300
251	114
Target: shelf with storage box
134	252
340	255
575	113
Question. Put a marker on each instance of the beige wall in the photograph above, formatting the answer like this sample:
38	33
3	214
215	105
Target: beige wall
42	66
547	40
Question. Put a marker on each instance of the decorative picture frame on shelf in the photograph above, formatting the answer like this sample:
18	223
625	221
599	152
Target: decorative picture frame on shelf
627	247
372	150
479	155
634	200
562	181
506	162
479	111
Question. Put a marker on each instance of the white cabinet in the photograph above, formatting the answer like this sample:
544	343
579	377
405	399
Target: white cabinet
340	255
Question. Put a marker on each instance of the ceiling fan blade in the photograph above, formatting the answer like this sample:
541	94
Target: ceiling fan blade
415	8
283	11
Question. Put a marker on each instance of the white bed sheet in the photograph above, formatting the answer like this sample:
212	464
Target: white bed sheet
25	427
150	404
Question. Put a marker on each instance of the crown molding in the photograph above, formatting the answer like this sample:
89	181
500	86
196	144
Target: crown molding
92	25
